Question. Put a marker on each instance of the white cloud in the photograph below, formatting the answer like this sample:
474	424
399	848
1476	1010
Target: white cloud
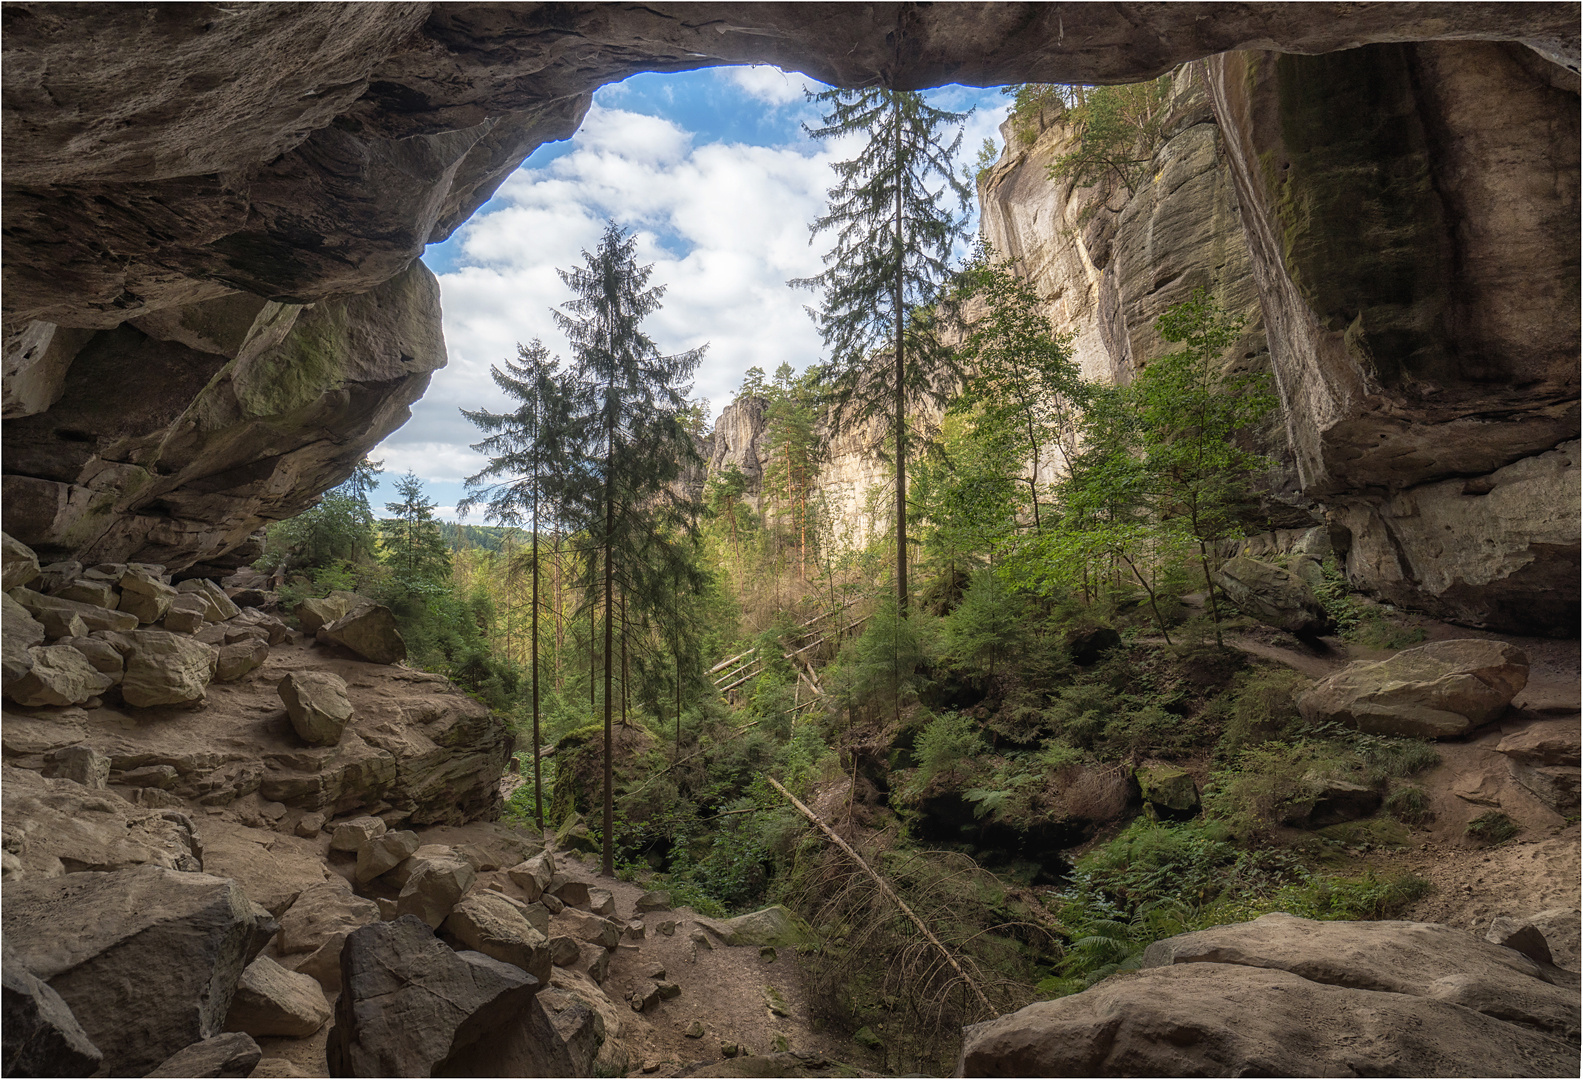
771	85
725	225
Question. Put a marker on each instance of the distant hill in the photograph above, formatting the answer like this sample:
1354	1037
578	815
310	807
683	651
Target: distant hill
483	537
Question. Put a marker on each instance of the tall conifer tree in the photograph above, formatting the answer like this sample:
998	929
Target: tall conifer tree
894	236
630	407
528	467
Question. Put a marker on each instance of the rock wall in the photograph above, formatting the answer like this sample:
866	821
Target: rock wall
1410	279
184	183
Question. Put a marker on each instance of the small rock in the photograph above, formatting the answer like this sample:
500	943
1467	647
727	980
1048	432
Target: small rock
573	894
665	927
729	1049
598	968
700	939
658	900
552	903
654	971
317	704
239	659
645	995
150	776
232	1054
354	834
635	930
768	954
602	902
309	825
865	1037
695	1030
533	875
101	654
218	606
668	990
775	1003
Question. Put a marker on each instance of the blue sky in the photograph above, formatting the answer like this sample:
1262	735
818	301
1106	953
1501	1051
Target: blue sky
712	171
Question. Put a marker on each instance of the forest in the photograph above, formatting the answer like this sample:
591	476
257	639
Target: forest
1000	699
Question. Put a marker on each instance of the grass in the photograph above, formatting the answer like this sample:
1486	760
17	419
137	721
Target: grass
1493	827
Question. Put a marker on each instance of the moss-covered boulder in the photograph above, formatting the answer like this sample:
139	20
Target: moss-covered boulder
1169	791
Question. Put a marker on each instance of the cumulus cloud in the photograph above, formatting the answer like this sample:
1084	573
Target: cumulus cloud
725	225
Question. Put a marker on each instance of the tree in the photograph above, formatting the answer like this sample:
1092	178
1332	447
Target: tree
340	526
528	467
1193	473
628	408
1025	379
1120	128
793	441
414	546
894	238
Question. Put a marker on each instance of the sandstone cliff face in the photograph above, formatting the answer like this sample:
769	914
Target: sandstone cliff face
1411	281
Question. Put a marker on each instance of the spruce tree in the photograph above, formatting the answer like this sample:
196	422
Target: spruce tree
894	237
525	477
630	408
414	546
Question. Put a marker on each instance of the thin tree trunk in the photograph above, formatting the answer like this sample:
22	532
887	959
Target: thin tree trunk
901	409
626	692
609	867
538	779
1214	608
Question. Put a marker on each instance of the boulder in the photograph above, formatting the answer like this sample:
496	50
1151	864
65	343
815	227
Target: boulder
1557	929
185	615
218	606
93	591
232	1054
414	1007
382	853
165	669
316	612
1441	690
314	928
55	576
369	630
18	564
644	996
1170	791
433	885
574	894
580	1027
489	923
81	765
271	868
1272	595
19	631
1545	742
657	900
602	902
1284	996
54	826
145	595
592	928
353	834
149	776
96	938
68	618
317	704
57	675
769	926
272	627
1331	801
564	950
238	659
40	1035
533	875
101	654
273	1001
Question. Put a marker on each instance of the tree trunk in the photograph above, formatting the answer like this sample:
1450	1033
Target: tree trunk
538	779
609	867
901	409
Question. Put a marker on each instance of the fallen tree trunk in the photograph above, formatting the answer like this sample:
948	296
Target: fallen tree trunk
884	887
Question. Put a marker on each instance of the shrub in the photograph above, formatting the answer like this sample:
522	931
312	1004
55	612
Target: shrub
1493	827
946	747
1409	805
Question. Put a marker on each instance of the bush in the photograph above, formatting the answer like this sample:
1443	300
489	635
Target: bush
1409	805
1261	705
1493	827
947	747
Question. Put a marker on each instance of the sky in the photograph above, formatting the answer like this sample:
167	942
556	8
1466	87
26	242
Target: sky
712	172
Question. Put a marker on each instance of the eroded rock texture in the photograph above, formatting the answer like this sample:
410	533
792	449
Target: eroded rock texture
212	213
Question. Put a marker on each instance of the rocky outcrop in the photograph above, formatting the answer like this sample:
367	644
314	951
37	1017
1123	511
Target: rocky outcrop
97	938
1273	595
1419	278
1436	691
1282	996
211	306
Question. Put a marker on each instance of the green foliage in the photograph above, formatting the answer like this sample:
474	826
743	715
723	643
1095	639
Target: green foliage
1409	805
1261	705
1357	620
1119	132
988	155
948	746
984	628
1031	102
1493	827
879	670
340	528
411	543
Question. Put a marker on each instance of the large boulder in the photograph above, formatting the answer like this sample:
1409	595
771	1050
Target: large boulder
1544	757
431	883
317	611
145	594
1169	790
369	630
382	853
489	923
69	618
411	1006
40	1035
1272	595
1441	690
148	959
218	607
273	1001
57	675
19	631
164	668
230	1055
1282	996
317	705
314	928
